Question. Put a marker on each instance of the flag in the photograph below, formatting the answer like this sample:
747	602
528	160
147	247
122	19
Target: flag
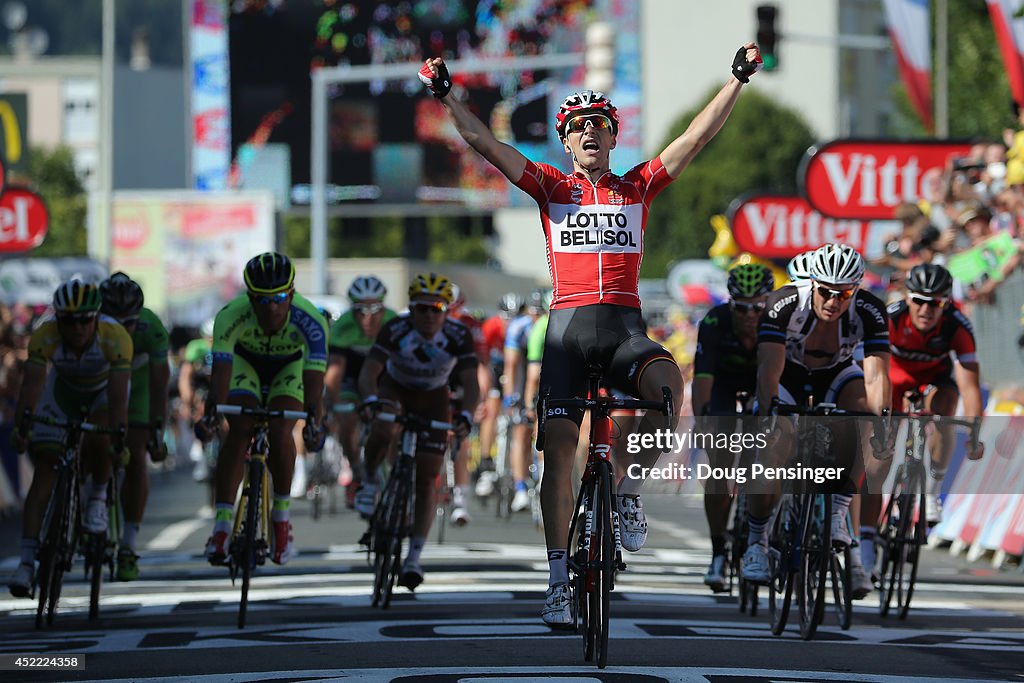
908	25
1009	27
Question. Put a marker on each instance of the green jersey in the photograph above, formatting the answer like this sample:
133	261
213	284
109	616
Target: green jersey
150	342
535	343
303	335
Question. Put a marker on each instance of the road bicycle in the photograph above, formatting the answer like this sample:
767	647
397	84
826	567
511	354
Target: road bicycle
61	532
248	546
802	557
904	526
392	519
595	546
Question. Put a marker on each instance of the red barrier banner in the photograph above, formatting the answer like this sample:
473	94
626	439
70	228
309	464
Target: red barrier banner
867	179
776	226
24	220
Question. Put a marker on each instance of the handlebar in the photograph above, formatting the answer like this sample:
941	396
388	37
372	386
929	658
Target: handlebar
344	408
606	405
70	424
414	421
262	413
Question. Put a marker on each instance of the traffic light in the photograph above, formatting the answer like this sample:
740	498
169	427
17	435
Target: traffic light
600	57
767	38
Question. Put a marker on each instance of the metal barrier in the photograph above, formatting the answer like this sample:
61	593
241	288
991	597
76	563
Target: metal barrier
996	329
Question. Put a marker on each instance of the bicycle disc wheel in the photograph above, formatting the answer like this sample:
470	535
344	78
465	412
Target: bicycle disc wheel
815	559
842	582
780	567
253	493
606	563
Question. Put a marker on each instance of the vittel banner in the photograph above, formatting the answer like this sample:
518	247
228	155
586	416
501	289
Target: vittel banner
867	179
776	226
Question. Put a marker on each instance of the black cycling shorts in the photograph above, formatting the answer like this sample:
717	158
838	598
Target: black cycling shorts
606	335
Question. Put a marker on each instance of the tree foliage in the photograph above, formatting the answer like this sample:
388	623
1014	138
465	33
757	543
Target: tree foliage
759	148
52	175
979	92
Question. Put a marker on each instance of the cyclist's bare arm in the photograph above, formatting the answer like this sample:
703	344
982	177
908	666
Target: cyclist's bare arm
117	396
532	384
681	151
505	158
31	388
771	361
369	377
969	383
159	378
876	382
470	389
513	357
332	378
313	391
701	393
220	381
185	383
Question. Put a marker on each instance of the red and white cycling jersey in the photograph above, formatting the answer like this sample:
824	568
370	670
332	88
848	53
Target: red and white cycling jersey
594	232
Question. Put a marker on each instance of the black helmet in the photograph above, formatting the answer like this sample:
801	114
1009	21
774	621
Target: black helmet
122	296
269	273
929	279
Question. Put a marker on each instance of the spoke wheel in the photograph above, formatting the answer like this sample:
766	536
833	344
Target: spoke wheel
815	560
605	566
96	552
842	586
780	566
247	558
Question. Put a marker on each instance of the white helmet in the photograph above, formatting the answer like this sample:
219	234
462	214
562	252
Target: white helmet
367	287
206	329
837	264
799	267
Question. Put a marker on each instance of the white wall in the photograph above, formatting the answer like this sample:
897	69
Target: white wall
688	47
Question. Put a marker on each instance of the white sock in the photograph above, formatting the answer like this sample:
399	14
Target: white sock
558	570
416	544
131	530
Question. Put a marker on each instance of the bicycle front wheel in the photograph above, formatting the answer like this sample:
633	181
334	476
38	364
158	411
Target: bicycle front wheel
780	565
605	567
842	582
914	509
247	553
815	560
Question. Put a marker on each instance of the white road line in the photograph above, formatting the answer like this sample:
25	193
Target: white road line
173	535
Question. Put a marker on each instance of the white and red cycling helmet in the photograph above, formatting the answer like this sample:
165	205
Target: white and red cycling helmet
585	102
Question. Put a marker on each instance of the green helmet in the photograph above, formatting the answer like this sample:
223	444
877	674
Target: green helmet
749	280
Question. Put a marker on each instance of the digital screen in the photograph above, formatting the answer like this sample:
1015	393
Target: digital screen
389	141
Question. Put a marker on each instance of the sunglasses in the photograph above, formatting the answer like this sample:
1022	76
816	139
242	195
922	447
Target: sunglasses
829	294
129	321
579	124
265	299
76	319
938	301
367	309
433	306
742	307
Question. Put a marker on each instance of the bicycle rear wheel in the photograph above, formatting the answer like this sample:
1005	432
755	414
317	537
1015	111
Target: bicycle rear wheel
253	496
815	560
780	565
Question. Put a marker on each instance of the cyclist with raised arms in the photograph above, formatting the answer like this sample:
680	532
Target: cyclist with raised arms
269	349
409	368
350	340
593	221
806	339
725	364
77	359
123	300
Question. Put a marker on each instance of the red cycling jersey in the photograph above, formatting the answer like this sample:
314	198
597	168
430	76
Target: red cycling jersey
493	330
922	358
594	231
476	330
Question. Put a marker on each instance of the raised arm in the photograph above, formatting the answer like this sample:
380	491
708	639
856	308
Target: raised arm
681	151
505	158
